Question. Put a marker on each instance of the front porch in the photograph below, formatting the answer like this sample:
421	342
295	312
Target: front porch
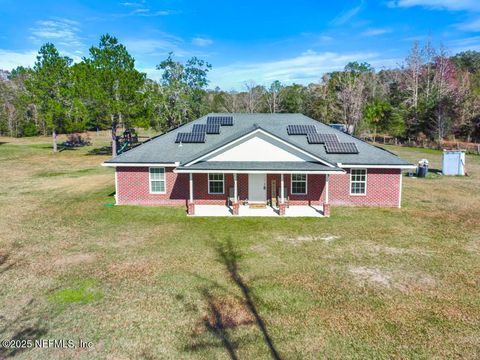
267	211
294	193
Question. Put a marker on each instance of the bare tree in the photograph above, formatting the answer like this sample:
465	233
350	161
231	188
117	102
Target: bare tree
253	96
231	102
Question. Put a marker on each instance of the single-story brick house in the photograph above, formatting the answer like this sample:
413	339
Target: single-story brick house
255	160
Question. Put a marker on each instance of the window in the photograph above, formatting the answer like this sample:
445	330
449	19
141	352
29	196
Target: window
299	184
157	180
215	184
358	182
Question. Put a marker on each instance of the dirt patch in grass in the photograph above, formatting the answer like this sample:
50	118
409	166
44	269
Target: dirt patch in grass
134	270
377	249
298	240
76	259
399	280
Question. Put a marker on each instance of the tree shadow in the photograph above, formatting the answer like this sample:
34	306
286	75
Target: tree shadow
26	327
229	256
104	150
3	263
226	315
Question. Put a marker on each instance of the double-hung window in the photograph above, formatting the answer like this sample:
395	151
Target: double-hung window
216	184
299	184
157	180
358	182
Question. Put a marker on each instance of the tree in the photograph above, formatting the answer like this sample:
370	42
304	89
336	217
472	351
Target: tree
182	89
49	85
252	96
272	96
376	115
350	87
114	85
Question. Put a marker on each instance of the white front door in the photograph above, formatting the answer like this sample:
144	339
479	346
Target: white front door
257	187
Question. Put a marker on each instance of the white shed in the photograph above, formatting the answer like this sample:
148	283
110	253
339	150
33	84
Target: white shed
453	162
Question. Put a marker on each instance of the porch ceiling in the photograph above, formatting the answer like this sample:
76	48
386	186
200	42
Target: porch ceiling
260	166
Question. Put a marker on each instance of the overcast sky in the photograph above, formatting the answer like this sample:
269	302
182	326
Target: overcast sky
291	41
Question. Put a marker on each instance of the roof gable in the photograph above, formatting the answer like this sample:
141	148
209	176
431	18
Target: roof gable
258	145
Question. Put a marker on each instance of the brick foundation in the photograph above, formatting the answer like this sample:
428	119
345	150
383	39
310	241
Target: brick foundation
191	208
236	208
281	209
326	210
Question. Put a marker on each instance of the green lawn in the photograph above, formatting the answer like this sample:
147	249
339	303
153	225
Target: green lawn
151	283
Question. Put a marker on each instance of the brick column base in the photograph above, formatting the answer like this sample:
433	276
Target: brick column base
191	208
281	209
236	208
326	210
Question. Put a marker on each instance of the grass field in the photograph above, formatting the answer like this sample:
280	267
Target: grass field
150	283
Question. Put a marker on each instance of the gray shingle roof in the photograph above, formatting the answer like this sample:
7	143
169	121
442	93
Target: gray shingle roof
163	148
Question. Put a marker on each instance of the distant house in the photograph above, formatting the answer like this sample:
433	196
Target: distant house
245	162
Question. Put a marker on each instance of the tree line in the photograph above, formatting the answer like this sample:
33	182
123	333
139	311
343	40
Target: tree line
430	96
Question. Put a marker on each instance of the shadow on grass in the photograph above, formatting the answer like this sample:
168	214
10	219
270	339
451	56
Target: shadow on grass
26	327
104	150
3	263
222	317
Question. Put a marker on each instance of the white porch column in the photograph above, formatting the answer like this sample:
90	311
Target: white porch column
282	191
191	187
235	188
327	180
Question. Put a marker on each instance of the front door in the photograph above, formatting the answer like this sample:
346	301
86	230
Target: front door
257	188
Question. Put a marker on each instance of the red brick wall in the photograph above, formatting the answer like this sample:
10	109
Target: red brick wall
133	188
383	187
315	189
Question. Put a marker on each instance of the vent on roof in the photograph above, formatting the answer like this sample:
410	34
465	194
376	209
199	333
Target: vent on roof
301	129
206	128
194	137
314	138
335	147
222	120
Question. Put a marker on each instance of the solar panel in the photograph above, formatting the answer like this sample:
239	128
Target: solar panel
194	137
301	129
335	147
207	128
226	120
314	138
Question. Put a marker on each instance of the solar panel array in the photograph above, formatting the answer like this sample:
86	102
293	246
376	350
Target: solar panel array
315	138
331	141
207	128
193	137
301	129
226	120
335	147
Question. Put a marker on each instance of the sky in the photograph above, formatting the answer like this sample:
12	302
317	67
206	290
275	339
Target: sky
260	41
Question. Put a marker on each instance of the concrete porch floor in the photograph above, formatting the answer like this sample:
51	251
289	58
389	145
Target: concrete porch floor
292	211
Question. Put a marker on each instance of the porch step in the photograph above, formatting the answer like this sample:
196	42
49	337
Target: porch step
257	205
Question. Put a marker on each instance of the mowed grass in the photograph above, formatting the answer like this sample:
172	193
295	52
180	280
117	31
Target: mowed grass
151	283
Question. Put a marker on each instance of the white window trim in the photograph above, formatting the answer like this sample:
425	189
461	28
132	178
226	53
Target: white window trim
223	184
150	180
306	185
350	183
